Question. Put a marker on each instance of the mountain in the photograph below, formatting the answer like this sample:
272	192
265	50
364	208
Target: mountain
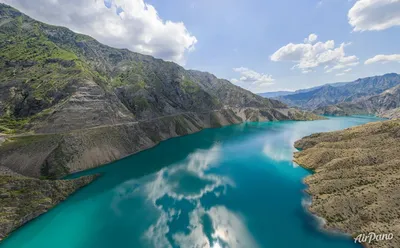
355	186
317	87
275	94
69	103
48	74
327	95
386	104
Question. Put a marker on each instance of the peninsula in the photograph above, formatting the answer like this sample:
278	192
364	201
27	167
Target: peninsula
356	183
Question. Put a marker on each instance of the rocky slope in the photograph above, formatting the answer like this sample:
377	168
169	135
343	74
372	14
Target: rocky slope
56	155
391	114
333	94
54	80
386	105
70	103
356	184
23	198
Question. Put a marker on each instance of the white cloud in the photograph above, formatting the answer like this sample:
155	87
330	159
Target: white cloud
308	56
382	58
137	26
374	14
311	38
252	80
251	76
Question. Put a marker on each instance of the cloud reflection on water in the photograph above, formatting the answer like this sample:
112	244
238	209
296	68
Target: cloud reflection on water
176	192
279	147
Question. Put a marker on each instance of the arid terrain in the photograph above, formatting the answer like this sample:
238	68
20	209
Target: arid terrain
356	184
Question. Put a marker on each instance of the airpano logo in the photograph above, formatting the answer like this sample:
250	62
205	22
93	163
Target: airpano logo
371	237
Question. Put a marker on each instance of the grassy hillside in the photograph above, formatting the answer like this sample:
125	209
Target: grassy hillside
42	67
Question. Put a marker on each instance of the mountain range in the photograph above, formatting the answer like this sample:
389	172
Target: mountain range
385	104
373	95
275	94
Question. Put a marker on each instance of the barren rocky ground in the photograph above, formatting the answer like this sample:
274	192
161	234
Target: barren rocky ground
356	182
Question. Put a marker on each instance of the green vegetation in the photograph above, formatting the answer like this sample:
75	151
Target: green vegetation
9	125
133	75
36	72
141	103
190	87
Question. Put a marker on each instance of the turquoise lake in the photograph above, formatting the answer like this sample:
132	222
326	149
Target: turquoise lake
234	186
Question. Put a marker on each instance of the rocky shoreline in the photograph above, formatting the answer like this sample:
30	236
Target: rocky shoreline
23	198
355	187
54	156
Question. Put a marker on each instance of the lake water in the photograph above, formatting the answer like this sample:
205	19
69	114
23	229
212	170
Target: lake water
234	186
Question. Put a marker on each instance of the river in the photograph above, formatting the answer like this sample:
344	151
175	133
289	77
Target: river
234	186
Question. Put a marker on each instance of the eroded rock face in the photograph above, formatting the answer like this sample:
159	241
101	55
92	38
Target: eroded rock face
391	114
23	199
356	185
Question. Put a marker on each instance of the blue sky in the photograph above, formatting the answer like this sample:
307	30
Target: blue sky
245	33
257	44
